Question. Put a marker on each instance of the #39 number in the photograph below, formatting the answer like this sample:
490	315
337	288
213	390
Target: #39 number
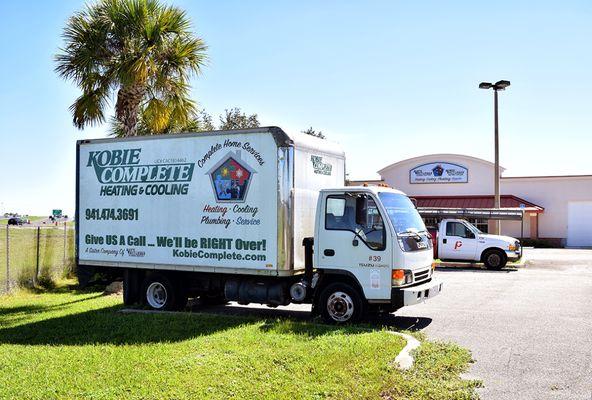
374	258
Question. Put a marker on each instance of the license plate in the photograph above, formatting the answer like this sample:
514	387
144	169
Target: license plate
433	291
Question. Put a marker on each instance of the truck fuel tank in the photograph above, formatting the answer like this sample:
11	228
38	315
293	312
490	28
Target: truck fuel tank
245	291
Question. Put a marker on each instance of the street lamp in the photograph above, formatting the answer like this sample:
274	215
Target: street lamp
499	85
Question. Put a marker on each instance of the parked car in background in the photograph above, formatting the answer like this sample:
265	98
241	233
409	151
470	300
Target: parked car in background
16	221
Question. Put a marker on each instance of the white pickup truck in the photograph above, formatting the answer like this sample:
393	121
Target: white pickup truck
457	239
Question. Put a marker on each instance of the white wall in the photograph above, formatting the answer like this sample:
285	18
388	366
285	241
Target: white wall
552	193
512	228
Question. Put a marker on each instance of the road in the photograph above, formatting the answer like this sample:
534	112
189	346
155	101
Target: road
529	329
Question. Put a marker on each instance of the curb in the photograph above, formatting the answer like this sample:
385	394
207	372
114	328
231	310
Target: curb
405	360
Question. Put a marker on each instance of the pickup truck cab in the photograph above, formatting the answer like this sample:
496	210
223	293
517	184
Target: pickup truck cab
459	240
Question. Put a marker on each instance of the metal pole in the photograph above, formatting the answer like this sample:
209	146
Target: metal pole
65	235
522	228
37	260
7	258
496	203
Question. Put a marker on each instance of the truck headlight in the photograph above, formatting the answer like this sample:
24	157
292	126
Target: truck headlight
401	277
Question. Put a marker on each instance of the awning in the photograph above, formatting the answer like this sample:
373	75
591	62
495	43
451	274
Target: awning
508	201
485	213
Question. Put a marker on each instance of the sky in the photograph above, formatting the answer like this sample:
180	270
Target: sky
388	80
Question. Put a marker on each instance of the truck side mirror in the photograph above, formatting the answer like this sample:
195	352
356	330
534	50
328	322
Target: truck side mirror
361	210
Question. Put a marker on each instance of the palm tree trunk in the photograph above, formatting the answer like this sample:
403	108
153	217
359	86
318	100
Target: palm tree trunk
127	107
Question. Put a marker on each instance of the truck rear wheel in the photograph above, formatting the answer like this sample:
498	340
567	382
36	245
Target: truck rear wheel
495	259
340	303
161	293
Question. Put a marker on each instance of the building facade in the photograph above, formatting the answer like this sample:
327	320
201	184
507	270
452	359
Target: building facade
557	209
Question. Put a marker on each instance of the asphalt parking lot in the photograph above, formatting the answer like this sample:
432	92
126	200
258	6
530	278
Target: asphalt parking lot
529	329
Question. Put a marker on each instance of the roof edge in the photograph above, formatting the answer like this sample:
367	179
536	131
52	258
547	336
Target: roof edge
547	176
440	155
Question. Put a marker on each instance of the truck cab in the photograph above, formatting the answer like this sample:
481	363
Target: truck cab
373	240
458	239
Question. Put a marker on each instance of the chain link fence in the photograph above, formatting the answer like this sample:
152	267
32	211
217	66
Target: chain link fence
31	256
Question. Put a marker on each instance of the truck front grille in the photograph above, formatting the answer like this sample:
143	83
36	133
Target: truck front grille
421	275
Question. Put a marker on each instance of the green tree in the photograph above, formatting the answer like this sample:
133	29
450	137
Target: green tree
312	132
140	52
198	121
236	119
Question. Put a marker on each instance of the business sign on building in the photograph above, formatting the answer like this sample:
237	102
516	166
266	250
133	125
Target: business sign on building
439	172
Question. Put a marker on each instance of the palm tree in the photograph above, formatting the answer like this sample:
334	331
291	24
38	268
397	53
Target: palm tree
139	51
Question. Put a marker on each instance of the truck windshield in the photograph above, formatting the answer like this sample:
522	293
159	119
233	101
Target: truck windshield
402	213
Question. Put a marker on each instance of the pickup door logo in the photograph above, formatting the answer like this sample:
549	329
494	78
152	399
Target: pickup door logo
457	245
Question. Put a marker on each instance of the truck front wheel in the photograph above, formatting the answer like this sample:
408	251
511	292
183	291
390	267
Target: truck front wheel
160	293
340	303
495	259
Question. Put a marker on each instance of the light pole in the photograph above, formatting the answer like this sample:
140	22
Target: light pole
499	85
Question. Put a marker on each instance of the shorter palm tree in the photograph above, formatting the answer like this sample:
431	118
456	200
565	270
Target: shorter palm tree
139	51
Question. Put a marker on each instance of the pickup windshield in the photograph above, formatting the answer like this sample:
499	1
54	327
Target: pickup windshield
402	213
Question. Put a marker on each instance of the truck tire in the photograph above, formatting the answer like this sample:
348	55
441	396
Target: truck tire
161	293
340	303
495	259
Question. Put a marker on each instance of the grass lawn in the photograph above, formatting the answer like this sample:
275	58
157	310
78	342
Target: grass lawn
68	344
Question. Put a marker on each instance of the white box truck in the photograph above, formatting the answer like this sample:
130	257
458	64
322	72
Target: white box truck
253	216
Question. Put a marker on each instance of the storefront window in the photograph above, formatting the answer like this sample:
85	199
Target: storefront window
480	223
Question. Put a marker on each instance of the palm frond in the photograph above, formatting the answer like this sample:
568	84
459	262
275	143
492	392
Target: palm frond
117	44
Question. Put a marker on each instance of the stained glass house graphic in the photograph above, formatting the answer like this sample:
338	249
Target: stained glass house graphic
438	170
230	178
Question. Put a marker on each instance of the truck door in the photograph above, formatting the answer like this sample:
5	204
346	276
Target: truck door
458	242
361	246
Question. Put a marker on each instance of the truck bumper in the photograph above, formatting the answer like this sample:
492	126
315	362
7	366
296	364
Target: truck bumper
408	296
513	255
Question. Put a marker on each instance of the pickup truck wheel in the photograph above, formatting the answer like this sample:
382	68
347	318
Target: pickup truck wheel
161	294
495	259
339	303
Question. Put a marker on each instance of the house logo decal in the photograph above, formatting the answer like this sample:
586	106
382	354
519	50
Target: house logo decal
438	170
231	178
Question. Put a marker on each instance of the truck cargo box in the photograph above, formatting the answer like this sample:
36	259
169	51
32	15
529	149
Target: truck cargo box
237	201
